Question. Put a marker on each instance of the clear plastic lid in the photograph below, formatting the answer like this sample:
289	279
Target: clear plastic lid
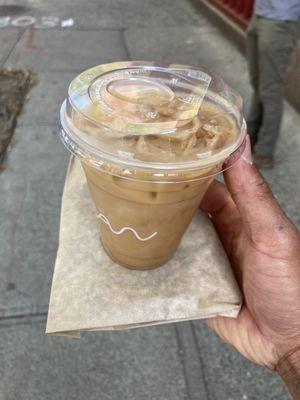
149	117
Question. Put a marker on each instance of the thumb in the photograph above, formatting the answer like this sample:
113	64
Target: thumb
260	212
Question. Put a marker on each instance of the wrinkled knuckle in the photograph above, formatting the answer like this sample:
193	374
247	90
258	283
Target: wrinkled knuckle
290	239
257	188
286	240
260	187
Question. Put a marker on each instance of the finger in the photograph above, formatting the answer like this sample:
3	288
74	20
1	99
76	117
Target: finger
216	199
224	214
259	210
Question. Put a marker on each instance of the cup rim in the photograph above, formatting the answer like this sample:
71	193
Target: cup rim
97	158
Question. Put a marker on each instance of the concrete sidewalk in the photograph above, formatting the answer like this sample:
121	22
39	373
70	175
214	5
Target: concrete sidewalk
176	361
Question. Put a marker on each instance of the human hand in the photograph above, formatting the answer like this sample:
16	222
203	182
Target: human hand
263	247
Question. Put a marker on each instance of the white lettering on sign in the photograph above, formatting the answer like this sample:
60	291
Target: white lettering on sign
43	22
4	21
67	22
23	21
47	22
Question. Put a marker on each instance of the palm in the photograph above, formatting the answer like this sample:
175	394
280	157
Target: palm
262	259
249	333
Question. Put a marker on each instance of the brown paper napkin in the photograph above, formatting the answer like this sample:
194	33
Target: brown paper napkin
91	292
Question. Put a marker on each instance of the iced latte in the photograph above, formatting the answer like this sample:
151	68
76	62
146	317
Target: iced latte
151	140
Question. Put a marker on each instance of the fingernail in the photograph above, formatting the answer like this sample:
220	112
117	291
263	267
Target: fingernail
247	154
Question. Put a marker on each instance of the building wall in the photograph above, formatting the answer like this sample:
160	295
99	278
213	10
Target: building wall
232	17
293	79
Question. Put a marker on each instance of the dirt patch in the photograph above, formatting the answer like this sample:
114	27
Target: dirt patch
14	86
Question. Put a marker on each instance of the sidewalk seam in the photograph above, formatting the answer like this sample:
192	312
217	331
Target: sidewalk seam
26	319
206	384
5	58
191	363
181	360
18	316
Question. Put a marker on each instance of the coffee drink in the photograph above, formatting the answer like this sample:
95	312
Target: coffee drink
151	140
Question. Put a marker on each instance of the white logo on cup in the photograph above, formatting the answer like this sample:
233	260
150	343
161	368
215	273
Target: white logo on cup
126	228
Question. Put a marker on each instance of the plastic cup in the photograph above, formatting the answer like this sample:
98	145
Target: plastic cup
151	139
